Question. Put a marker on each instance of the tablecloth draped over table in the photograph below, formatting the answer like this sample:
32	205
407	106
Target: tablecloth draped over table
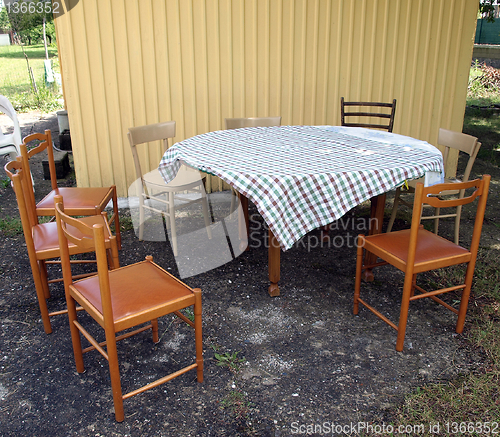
303	177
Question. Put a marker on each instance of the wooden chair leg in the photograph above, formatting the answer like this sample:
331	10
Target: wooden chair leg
44	276
436	220
359	266
403	315
114	373
206	215
75	334
198	334
173	231
394	209
141	216
41	285
116	219
457	224
464	302
154	329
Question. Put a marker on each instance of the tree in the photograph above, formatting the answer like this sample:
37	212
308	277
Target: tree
487	9
27	19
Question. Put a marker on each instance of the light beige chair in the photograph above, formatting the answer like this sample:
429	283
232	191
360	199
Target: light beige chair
154	188
417	250
450	140
122	299
238	123
381	114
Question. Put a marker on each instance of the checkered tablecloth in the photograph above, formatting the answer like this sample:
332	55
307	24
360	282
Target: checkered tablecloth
303	177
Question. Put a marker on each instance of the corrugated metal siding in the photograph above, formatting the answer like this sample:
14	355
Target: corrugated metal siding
133	62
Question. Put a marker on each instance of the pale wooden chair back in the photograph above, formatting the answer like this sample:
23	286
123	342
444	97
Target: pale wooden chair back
384	112
461	142
237	123
147	134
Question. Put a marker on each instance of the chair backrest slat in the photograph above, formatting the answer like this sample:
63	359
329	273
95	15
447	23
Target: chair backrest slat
45	144
364	112
429	195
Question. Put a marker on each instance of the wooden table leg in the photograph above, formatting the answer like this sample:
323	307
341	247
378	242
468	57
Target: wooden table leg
274	265
376	220
243	222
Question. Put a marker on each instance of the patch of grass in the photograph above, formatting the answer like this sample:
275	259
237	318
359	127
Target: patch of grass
11	226
15	82
482	116
236	402
474	398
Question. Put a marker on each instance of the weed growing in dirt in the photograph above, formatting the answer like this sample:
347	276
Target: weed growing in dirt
230	360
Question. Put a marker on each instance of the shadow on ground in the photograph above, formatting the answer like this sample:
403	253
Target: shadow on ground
307	359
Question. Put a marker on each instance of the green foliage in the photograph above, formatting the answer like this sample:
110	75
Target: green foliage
27	18
230	360
486	10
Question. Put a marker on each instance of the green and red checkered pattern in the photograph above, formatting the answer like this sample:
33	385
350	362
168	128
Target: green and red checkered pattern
303	177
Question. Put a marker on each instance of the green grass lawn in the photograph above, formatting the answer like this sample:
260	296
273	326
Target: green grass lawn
15	82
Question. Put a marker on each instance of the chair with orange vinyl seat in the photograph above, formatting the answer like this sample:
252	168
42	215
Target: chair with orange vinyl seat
83	201
417	250
381	114
155	192
121	299
41	238
464	143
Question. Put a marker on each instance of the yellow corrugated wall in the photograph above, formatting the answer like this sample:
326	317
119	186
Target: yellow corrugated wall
133	62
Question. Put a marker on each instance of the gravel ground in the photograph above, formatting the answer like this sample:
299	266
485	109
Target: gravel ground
305	359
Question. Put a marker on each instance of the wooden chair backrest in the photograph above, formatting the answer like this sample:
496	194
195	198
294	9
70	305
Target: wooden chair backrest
146	134
45	144
371	110
29	219
429	196
91	238
461	142
237	123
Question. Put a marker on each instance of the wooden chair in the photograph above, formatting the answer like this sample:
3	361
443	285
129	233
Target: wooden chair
384	112
42	241
417	250
79	201
154	188
450	140
238	123
121	299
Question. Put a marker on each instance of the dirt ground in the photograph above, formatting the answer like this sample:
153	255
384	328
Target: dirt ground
306	360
